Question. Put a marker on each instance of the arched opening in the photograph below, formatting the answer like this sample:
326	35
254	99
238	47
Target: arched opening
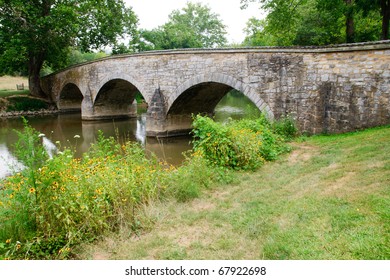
117	98
199	94
235	105
201	98
70	98
211	99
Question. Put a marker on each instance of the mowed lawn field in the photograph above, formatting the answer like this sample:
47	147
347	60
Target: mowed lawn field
8	86
9	82
328	199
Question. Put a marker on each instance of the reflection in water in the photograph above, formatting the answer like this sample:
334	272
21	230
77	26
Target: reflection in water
8	163
50	148
63	129
235	106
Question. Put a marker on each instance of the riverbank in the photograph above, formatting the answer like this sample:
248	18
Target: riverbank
328	199
15	100
15	114
17	105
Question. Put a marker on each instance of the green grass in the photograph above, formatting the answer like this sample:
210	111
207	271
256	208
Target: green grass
328	199
7	93
25	103
19	100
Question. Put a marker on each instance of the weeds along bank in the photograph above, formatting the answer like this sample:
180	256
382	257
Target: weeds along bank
57	203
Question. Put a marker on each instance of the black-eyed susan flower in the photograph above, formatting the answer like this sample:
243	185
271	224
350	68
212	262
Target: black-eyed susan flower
32	190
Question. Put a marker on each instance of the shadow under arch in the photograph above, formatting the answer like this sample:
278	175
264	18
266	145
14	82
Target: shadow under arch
222	84
70	98
116	98
123	77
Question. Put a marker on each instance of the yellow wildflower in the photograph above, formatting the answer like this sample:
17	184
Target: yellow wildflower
32	190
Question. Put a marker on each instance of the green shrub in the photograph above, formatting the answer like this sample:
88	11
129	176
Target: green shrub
187	181
242	144
226	146
286	127
24	103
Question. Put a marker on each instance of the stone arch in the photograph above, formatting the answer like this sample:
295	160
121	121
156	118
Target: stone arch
124	77
115	99
70	97
223	79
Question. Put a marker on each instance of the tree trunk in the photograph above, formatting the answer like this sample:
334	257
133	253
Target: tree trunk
34	80
385	11
350	24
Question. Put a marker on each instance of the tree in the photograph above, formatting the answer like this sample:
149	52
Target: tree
374	5
195	26
320	26
319	22
385	11
256	34
282	20
41	31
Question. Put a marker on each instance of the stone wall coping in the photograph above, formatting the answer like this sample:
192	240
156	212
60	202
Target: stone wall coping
363	46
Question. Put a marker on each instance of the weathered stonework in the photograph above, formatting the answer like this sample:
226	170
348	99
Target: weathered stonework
329	89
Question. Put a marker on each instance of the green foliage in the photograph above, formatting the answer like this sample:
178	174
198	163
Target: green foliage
77	56
33	33
193	27
7	93
286	127
24	103
317	22
191	178
28	148
104	147
256	34
243	144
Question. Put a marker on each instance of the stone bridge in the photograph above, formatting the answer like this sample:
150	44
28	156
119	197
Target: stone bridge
325	89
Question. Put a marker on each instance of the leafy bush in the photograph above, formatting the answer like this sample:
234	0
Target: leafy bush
243	144
286	127
226	146
24	103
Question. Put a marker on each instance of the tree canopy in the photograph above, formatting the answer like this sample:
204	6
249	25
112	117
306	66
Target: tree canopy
318	22
195	26
42	31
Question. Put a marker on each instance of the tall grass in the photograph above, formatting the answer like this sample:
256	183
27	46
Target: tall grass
56	203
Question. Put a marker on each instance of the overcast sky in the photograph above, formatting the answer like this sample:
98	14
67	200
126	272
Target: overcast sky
153	13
